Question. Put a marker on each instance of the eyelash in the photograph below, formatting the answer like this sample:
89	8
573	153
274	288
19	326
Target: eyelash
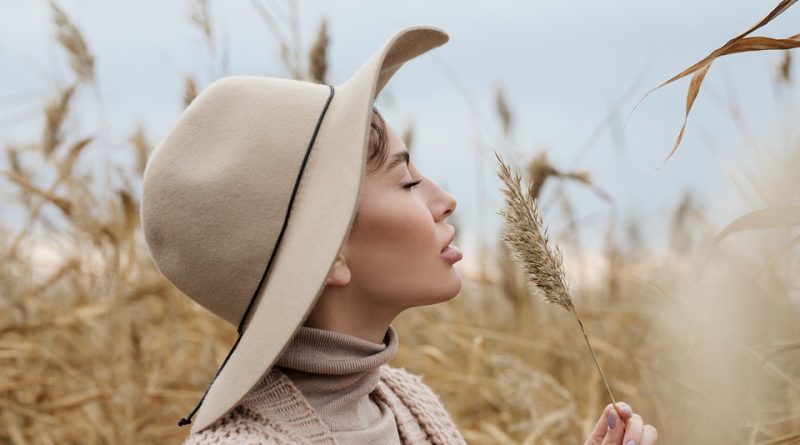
411	185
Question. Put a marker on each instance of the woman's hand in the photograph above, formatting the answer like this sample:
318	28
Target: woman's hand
623	427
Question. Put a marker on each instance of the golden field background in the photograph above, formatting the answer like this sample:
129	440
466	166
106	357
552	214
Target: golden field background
702	339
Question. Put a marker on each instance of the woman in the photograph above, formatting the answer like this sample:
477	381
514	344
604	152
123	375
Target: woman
311	242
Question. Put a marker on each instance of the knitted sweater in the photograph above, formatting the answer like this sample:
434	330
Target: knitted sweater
338	373
341	391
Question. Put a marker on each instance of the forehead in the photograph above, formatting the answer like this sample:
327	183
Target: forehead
397	153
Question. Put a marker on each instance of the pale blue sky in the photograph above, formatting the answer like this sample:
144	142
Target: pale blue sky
563	64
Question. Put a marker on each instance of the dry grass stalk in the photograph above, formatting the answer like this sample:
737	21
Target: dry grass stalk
528	241
46	195
540	169
503	110
66	166
12	154
189	91
786	67
318	57
200	16
290	51
142	146
55	114
680	228
70	37
737	44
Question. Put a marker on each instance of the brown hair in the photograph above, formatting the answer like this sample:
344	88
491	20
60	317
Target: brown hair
378	143
378	146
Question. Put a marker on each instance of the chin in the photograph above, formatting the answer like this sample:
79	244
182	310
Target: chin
453	285
440	289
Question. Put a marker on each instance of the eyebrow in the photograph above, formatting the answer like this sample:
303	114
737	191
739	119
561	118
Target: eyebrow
397	159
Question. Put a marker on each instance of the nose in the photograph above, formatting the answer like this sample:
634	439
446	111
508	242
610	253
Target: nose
450	204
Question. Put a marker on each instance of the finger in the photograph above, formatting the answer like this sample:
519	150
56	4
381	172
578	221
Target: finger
615	429
624	410
633	430
649	435
599	431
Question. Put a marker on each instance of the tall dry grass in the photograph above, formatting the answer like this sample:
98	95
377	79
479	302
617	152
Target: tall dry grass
96	347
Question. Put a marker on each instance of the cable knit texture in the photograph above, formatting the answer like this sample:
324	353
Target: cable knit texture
335	389
337	373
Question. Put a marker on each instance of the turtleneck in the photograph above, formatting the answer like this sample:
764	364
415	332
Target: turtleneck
338	373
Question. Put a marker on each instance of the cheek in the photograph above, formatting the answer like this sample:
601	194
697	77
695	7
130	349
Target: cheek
397	234
395	254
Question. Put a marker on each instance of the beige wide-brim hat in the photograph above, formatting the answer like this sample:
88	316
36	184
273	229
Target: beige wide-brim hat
249	198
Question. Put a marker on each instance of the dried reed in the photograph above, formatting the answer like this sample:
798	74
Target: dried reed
528	241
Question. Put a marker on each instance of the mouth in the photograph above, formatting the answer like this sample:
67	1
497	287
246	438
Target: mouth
451	254
452	237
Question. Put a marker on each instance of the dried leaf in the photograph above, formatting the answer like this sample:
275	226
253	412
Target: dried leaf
784	4
734	45
764	44
691	95
762	219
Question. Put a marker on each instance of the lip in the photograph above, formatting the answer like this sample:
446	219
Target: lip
451	254
452	237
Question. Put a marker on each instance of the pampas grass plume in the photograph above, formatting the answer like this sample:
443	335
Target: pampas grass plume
528	242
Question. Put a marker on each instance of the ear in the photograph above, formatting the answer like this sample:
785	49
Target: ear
339	274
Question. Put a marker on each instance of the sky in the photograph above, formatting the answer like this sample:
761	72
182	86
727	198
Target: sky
566	68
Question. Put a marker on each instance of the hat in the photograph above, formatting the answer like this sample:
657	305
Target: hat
249	198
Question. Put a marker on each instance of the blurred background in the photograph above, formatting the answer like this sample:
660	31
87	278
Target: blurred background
700	337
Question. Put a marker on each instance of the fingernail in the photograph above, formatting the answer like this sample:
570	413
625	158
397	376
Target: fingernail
612	419
626	408
630	442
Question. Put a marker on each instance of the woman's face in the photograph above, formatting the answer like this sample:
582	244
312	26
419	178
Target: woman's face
393	252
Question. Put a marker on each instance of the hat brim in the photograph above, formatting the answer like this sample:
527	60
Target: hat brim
321	217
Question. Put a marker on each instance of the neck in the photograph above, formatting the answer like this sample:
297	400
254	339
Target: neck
337	373
339	310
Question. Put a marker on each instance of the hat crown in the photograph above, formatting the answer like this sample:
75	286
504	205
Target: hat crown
217	189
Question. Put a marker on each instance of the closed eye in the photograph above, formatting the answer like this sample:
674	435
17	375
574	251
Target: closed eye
411	185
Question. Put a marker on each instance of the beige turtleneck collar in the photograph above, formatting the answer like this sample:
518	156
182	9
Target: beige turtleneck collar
338	373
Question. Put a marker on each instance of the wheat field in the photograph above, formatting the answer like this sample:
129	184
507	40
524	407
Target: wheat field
703	339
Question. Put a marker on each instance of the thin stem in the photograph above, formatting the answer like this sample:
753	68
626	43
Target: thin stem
594	357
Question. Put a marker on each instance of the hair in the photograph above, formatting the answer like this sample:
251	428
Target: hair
378	146
378	143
